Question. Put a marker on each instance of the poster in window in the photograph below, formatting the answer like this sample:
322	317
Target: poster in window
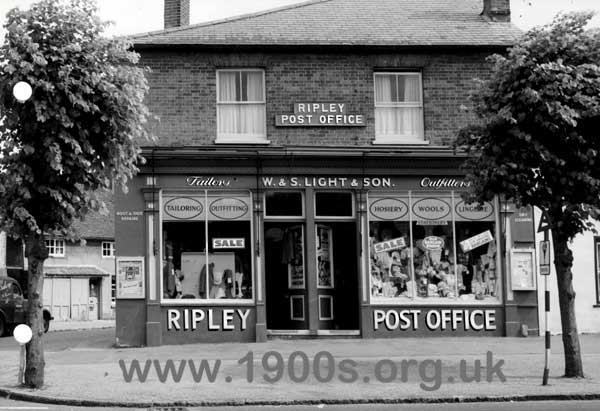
522	269
296	260
324	257
130	277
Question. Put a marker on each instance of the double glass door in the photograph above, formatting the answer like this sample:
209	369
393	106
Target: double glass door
311	274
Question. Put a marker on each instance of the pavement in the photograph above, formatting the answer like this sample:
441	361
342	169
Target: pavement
588	405
80	325
427	371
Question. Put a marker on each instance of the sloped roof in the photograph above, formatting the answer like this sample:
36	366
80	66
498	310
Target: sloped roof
348	22
98	226
75	270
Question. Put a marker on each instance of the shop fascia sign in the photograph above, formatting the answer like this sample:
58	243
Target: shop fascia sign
435	319
318	114
327	182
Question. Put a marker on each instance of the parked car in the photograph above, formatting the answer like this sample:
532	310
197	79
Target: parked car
13	306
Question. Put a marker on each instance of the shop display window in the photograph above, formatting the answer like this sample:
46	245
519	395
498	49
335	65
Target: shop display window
207	245
428	248
389	252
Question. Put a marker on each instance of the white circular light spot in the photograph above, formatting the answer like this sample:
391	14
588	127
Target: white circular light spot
22	334
22	91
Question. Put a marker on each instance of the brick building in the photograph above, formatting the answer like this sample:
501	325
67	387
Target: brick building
303	182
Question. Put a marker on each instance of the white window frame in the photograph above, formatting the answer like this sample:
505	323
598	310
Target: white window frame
56	247
400	138
111	249
241	138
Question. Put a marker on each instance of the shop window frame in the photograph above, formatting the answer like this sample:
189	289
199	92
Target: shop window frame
413	301
285	218
205	302
224	138
400	139
597	269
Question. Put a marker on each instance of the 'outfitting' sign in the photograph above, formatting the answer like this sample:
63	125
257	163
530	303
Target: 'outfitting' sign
320	115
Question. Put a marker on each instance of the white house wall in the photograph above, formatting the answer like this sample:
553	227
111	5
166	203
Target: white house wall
90	255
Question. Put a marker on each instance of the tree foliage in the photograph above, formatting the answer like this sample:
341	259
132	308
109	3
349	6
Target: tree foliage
538	141
75	136
78	131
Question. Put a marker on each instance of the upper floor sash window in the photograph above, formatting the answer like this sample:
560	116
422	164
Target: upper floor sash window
241	114
398	108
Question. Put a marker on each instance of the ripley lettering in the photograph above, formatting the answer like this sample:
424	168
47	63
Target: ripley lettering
213	320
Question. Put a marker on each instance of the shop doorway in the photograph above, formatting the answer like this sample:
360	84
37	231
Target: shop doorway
285	272
337	276
94	298
329	286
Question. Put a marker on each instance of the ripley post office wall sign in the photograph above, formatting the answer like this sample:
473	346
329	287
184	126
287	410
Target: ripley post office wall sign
320	115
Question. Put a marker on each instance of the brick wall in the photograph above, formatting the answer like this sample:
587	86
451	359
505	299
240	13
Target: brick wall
183	92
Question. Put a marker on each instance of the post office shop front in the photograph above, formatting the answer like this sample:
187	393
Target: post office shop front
303	183
247	257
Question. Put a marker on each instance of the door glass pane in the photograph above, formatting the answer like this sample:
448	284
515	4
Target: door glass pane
324	244
333	205
284	204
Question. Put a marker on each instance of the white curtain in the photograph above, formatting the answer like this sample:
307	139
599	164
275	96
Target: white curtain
392	91
236	115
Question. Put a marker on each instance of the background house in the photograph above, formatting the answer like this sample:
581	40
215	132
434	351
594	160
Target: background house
78	276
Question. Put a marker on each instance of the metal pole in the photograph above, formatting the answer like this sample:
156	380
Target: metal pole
547	321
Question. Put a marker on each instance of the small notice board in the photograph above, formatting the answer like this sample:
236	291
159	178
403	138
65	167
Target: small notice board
522	269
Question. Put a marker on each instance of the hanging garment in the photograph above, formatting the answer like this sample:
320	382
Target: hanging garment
237	285
202	286
217	288
287	247
229	283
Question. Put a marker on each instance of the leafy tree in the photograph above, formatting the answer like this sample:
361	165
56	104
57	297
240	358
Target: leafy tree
75	135
538	142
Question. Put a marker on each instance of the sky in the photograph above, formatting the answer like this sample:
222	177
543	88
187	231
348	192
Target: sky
137	16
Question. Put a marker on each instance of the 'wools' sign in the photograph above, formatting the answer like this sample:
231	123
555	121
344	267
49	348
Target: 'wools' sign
431	209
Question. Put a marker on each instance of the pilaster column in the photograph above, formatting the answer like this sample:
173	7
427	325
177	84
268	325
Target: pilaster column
152	194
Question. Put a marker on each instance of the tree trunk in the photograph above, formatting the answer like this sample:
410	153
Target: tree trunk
36	254
563	261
